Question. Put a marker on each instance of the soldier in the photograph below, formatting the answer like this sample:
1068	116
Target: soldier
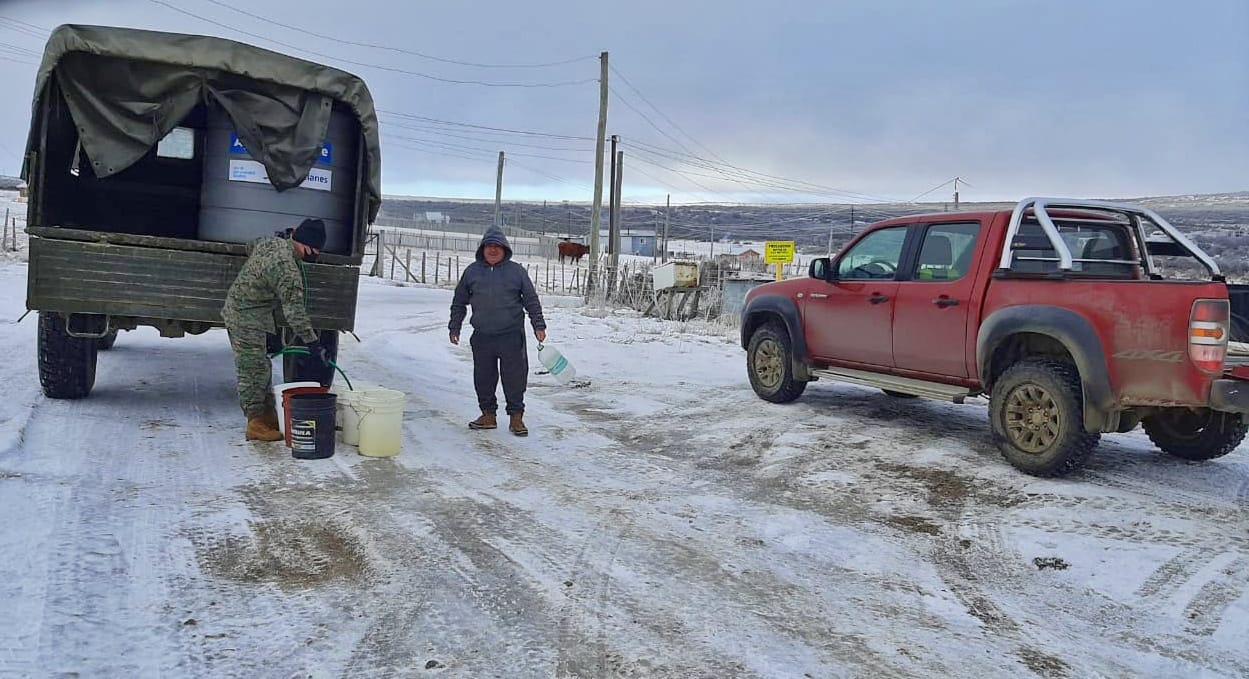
271	276
500	293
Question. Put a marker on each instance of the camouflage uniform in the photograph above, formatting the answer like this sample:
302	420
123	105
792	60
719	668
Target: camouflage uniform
270	277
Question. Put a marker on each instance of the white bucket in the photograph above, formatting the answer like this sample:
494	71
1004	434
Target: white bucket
381	422
348	411
277	399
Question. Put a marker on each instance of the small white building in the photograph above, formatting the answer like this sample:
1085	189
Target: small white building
632	242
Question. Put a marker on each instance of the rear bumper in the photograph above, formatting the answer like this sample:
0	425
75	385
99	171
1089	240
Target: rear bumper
1230	396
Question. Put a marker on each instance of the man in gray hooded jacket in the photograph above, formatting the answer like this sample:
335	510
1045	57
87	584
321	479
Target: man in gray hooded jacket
500	292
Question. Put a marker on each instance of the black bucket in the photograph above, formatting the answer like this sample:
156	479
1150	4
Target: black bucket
312	426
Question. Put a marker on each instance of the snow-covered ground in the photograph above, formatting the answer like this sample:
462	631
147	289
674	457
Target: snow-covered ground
660	522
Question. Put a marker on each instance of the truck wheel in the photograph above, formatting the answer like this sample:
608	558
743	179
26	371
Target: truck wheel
769	363
1195	434
1036	409
300	368
106	342
66	364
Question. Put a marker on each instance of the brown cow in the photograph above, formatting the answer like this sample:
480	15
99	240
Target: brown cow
573	251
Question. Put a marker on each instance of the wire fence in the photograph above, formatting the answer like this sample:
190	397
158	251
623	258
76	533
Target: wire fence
713	295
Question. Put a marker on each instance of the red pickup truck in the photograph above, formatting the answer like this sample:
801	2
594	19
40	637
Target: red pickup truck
1056	310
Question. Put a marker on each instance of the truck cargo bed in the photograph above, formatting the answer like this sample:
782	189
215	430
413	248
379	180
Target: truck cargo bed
146	277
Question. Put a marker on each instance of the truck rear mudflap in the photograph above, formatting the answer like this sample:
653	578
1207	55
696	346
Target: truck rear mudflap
157	283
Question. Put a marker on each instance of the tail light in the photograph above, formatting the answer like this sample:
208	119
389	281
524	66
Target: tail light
1208	328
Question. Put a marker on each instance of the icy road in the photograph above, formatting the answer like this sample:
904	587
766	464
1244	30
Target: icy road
662	522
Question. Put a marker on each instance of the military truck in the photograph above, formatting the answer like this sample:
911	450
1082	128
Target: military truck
154	158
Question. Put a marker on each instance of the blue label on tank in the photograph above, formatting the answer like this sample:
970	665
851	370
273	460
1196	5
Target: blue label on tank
326	157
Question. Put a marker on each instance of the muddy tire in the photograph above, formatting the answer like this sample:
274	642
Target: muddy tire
106	342
1036	410
1195	434
66	364
299	368
769	363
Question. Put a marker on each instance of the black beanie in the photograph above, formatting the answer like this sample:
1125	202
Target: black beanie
311	232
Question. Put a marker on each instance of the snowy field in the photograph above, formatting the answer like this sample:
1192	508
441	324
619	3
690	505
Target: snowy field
661	522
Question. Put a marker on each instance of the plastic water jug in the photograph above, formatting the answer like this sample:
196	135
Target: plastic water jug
557	363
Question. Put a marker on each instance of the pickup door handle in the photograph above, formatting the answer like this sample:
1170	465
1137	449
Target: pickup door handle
944	301
878	298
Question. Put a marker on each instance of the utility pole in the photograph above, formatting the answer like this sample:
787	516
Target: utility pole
956	193
667	220
611	198
615	233
498	194
595	218
851	220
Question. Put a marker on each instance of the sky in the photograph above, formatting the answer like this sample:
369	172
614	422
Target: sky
728	101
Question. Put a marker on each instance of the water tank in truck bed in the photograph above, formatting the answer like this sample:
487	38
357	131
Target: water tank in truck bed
238	204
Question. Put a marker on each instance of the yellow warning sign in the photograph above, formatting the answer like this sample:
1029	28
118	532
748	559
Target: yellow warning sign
778	252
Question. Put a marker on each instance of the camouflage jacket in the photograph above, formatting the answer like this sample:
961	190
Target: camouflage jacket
270	278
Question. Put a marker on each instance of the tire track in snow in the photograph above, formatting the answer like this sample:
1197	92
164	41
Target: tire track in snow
1205	611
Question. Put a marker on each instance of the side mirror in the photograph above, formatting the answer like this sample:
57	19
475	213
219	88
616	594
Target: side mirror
821	268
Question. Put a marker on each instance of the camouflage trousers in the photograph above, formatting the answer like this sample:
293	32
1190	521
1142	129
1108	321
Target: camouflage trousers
255	373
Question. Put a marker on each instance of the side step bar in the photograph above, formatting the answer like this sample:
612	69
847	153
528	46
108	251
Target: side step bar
905	385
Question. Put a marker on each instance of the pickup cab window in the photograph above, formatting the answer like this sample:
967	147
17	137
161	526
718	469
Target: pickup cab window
875	257
1097	248
947	251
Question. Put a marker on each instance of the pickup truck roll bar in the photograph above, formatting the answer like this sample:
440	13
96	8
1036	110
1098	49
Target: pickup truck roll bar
1134	213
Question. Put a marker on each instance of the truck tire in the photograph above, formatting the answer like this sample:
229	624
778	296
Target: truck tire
1195	435
300	368
106	342
769	363
66	364
1036	409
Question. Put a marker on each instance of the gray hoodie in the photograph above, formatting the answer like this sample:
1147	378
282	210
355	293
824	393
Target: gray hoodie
500	294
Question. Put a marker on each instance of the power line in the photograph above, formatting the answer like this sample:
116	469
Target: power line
664	115
24	28
481	138
391	69
399	50
412	116
463	147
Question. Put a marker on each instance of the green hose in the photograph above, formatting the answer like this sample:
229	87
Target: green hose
304	352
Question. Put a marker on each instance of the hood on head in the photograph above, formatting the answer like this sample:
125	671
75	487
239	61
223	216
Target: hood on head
494	236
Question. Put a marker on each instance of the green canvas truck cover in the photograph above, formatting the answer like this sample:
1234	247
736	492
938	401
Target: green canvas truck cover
128	88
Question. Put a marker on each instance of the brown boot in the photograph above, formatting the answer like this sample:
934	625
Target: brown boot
260	430
270	418
486	421
517	425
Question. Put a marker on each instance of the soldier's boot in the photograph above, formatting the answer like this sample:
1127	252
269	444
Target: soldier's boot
270	418
517	425
260	430
486	421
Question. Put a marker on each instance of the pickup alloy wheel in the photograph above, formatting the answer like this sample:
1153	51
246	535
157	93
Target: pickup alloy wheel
769	363
1037	414
1195	434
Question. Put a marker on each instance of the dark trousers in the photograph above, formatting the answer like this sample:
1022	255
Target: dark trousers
494	354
